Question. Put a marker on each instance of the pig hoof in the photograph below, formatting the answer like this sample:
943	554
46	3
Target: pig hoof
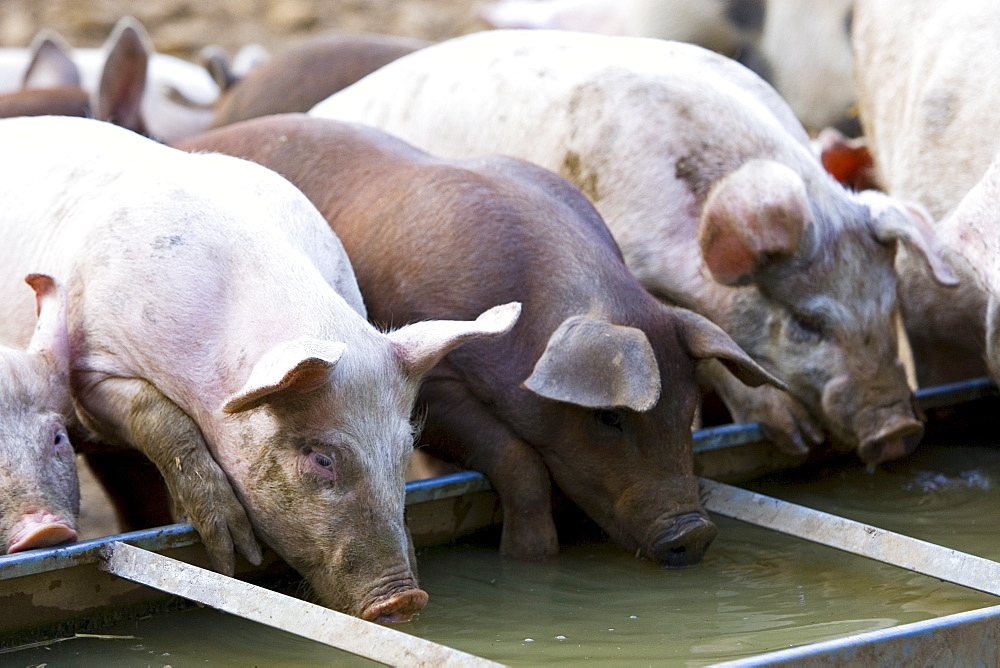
397	608
40	530
684	542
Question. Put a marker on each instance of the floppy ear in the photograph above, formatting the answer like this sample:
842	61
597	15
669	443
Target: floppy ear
422	345
704	339
50	65
123	81
910	224
51	337
596	364
296	367
753	216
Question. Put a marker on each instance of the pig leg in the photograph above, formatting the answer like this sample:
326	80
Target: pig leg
131	411
134	486
462	429
784	420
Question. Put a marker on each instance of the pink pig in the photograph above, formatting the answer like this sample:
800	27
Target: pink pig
216	326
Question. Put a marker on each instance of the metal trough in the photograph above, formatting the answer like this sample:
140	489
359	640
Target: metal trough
58	591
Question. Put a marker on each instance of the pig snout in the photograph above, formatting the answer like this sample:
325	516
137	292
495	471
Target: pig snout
40	529
682	542
877	417
396	608
899	436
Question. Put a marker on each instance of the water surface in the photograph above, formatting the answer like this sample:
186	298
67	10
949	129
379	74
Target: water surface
756	591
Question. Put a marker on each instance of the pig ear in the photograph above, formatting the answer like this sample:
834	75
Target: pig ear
595	364
123	81
422	345
910	224
216	61
754	216
51	65
51	337
296	367
703	339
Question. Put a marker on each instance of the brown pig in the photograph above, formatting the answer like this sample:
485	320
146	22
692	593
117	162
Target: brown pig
298	78
594	387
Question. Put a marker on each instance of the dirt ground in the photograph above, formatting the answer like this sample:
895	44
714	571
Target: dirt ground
183	27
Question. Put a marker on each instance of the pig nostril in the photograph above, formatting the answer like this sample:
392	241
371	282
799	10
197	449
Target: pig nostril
678	550
684	542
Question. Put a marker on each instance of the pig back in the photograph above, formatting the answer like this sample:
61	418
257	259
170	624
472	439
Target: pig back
924	73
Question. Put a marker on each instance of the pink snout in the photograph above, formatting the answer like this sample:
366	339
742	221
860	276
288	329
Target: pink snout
399	607
897	439
684	541
39	529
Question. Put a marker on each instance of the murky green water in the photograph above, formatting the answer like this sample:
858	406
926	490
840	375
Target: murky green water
756	590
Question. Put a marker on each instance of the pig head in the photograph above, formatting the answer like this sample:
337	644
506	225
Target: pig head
593	388
41	494
759	228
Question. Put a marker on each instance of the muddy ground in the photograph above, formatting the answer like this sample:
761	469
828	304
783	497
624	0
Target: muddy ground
183	27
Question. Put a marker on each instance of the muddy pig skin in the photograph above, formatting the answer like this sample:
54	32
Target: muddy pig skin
593	389
216	326
929	100
708	183
40	501
296	79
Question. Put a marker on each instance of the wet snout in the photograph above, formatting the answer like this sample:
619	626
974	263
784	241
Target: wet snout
40	529
682	540
898	437
399	607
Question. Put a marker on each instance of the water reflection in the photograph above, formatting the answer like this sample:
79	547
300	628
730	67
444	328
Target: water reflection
756	590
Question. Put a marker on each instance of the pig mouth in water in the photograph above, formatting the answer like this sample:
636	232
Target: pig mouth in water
683	541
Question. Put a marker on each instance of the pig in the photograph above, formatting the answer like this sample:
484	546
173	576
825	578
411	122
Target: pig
177	99
215	325
40	502
594	388
929	115
52	83
802	48
296	79
709	185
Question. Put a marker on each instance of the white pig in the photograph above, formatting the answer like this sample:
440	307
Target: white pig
930	108
39	489
709	185
801	47
216	326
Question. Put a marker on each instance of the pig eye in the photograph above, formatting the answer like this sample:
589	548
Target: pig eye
609	418
322	460
805	328
60	440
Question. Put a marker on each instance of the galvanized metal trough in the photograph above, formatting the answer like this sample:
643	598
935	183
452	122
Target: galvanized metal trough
58	591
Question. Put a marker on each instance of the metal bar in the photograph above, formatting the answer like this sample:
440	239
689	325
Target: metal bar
446	487
955	393
850	536
264	606
965	638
